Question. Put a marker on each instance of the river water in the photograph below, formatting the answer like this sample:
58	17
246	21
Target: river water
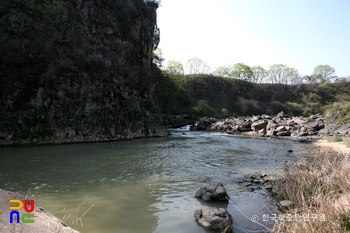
145	185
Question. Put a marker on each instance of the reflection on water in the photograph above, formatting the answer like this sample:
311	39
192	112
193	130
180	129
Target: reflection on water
144	185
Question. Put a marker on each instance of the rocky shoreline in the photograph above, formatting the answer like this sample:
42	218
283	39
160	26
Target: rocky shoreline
281	125
71	137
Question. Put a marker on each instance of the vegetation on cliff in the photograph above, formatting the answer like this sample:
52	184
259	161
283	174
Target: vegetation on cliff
243	90
208	95
340	111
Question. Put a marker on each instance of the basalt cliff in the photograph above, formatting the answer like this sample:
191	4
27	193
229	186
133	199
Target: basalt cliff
77	71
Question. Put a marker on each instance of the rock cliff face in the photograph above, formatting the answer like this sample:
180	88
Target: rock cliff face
74	71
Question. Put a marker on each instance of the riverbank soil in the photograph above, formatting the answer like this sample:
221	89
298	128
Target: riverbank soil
326	146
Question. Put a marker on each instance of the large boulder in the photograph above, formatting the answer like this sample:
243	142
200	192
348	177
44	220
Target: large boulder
255	118
272	126
343	130
311	123
259	125
282	131
282	115
244	126
215	219
212	191
299	120
264	116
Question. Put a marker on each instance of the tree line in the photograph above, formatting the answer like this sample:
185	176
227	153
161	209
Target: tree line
276	73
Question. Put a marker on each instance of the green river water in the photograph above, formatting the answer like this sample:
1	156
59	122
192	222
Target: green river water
144	185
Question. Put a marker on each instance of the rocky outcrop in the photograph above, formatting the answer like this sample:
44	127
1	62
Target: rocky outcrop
215	219
78	71
178	121
259	180
279	125
203	123
44	221
334	130
213	191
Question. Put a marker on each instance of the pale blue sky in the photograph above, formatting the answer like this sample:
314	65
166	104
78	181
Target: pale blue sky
299	33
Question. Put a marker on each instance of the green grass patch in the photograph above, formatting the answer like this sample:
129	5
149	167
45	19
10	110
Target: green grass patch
336	139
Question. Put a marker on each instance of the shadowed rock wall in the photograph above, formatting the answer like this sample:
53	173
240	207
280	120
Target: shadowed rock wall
74	71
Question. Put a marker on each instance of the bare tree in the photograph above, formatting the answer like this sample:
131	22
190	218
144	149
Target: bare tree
259	74
197	66
281	74
224	71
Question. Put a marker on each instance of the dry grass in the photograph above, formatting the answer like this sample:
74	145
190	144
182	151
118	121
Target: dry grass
64	217
317	189
347	142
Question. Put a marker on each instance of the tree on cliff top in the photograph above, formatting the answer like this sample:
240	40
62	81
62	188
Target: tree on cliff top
323	73
197	66
174	67
242	71
259	74
224	71
281	74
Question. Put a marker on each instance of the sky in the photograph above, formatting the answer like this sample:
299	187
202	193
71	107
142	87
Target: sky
298	33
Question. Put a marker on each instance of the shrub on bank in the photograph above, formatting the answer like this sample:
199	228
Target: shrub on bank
336	139
183	94
339	111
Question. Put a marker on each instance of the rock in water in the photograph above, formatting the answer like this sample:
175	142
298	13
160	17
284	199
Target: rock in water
213	191
215	219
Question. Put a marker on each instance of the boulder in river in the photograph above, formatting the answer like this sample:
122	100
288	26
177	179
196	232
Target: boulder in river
212	191
215	219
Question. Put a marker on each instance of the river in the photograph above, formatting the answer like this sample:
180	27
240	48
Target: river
144	185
